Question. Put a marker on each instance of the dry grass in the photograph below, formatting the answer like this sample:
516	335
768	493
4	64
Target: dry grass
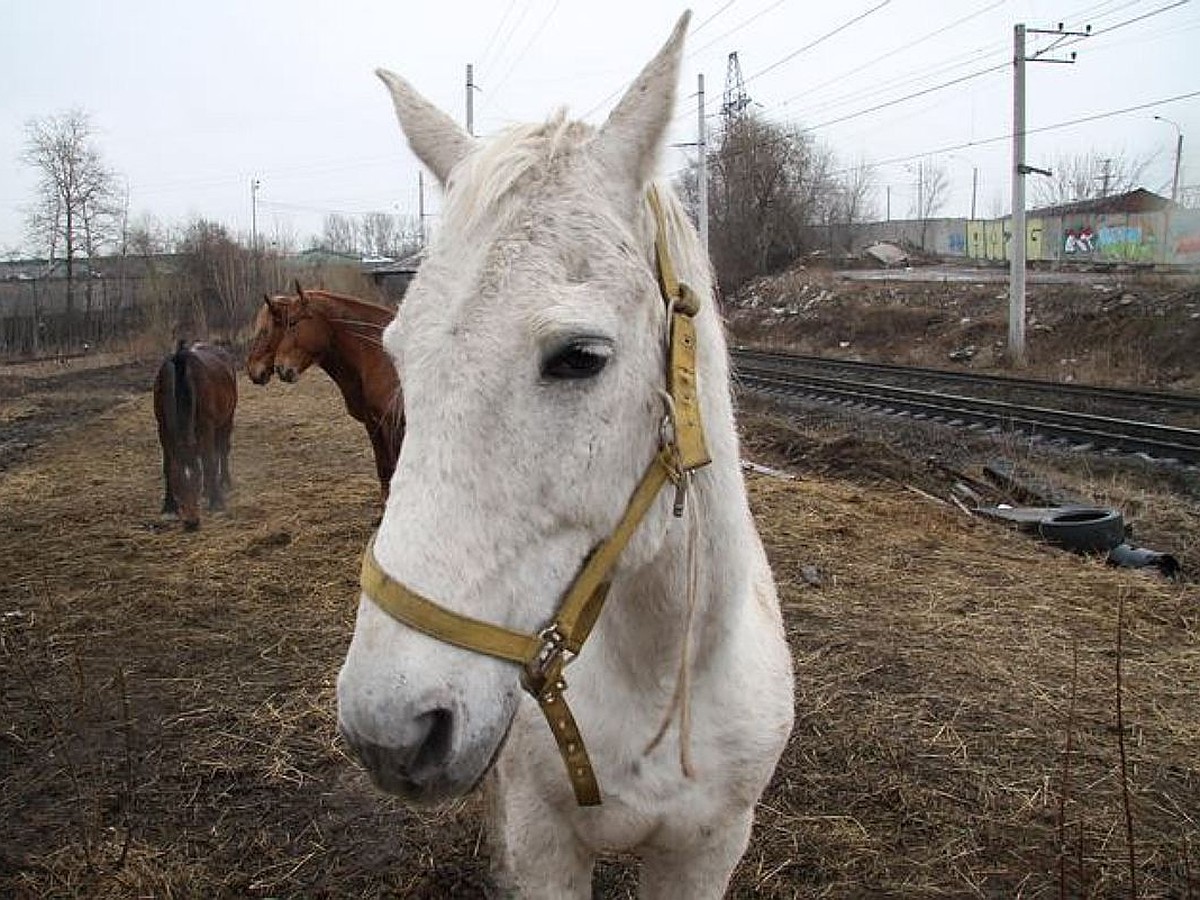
934	667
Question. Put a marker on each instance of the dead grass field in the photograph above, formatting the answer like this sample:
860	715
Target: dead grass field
168	698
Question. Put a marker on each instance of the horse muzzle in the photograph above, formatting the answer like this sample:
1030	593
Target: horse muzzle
286	373
423	742
428	764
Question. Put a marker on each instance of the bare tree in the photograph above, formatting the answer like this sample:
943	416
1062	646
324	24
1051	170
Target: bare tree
852	204
933	186
75	205
1088	176
218	280
767	182
340	234
379	234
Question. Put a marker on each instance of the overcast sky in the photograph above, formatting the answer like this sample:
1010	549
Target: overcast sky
190	102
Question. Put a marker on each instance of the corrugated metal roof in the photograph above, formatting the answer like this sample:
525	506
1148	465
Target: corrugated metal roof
1135	201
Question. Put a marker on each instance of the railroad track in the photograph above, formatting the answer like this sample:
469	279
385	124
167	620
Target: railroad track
785	378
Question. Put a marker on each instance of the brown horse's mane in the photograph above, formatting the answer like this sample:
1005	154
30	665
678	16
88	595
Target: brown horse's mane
377	310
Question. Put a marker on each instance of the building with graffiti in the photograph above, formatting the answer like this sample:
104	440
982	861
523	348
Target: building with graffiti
1135	228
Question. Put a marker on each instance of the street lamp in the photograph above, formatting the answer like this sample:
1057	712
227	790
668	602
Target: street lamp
1178	154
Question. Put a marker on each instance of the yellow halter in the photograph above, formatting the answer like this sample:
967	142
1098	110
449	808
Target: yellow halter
544	655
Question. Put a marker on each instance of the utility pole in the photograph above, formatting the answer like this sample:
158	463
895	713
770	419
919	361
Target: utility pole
702	146
1178	155
1016	279
254	186
470	100
974	185
888	206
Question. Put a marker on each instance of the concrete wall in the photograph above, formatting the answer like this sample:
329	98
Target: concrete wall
1161	237
1147	238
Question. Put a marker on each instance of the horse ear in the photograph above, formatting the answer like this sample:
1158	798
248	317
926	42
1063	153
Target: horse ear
299	290
627	145
267	300
437	139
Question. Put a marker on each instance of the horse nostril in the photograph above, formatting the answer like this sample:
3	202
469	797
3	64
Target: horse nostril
434	748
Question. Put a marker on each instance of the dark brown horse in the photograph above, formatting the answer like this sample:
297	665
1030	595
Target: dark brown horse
269	325
341	334
195	395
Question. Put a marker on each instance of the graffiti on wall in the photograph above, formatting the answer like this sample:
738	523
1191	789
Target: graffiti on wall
1077	241
1125	241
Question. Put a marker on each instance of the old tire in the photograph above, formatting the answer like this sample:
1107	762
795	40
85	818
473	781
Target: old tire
1084	529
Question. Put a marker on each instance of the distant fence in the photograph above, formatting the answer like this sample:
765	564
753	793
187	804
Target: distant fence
35	318
158	301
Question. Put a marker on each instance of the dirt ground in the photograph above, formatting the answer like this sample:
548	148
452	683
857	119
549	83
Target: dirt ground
965	696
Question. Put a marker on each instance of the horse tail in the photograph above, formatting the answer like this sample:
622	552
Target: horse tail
183	405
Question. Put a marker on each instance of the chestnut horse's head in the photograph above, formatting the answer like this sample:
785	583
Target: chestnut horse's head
305	338
269	325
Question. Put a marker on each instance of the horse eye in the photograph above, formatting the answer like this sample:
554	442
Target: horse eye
578	359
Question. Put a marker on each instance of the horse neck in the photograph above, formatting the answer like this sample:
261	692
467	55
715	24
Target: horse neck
350	345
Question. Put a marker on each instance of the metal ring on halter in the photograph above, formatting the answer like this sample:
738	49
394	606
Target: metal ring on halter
666	428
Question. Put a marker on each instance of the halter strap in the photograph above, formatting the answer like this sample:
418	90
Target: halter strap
544	655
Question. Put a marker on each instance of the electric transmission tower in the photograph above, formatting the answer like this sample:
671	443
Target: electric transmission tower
736	98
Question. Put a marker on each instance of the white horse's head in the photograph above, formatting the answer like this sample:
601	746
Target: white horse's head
531	350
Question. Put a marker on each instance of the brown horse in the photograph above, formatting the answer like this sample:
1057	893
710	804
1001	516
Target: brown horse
269	325
342	335
195	395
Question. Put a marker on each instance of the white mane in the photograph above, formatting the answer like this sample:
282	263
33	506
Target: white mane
480	183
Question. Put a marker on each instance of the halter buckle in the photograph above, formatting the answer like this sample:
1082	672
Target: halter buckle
546	666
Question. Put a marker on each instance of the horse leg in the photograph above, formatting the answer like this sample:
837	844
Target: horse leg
534	854
210	460
170	506
702	868
224	436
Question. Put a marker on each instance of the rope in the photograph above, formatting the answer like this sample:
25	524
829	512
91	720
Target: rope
682	695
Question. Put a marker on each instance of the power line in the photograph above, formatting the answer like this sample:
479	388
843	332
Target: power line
701	26
917	75
496	33
914	77
508	37
1038	130
758	15
899	49
521	56
819	40
912	96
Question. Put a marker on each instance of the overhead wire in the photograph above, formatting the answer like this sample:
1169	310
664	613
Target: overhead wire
826	36
899	49
524	50
483	56
508	37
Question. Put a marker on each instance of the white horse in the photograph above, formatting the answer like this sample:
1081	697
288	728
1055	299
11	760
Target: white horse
532	347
